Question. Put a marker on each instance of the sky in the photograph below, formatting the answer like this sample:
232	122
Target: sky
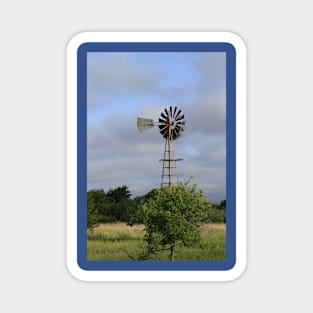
122	86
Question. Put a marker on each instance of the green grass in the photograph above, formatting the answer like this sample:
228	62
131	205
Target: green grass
119	242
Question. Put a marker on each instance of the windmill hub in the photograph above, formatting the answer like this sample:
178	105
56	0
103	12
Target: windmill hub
172	125
170	122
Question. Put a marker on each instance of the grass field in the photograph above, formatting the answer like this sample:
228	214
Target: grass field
118	241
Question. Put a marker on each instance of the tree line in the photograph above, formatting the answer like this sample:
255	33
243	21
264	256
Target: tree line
117	205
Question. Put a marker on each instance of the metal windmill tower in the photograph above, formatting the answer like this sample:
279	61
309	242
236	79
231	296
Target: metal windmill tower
172	125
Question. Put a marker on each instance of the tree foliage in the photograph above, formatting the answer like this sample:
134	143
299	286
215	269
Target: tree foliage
95	201
115	205
217	213
118	194
173	216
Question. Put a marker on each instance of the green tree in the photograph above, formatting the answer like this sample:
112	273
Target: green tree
137	214
115	205
119	204
118	194
95	202
217	213
172	217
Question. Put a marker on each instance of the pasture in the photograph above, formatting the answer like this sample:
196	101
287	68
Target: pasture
120	242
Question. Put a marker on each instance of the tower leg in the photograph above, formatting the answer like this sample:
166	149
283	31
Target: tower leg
169	170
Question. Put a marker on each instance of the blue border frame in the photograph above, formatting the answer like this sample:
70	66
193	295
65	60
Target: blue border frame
230	155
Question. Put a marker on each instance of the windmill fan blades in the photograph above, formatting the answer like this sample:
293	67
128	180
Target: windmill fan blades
164	132
175	133
178	131
166	112
164	127
175	116
144	123
181	125
162	123
180	118
174	112
163	115
179	128
171	123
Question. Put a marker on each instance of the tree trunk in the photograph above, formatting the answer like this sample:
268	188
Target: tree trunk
172	253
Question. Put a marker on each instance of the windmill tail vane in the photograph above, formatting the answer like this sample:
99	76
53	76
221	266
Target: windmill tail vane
172	125
144	124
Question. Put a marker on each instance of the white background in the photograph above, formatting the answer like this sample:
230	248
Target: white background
33	274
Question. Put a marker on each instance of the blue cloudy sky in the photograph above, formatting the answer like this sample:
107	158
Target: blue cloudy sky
122	86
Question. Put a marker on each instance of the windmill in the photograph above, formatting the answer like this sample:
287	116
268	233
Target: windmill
172	125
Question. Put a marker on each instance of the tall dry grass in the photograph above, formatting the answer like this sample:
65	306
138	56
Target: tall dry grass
119	241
